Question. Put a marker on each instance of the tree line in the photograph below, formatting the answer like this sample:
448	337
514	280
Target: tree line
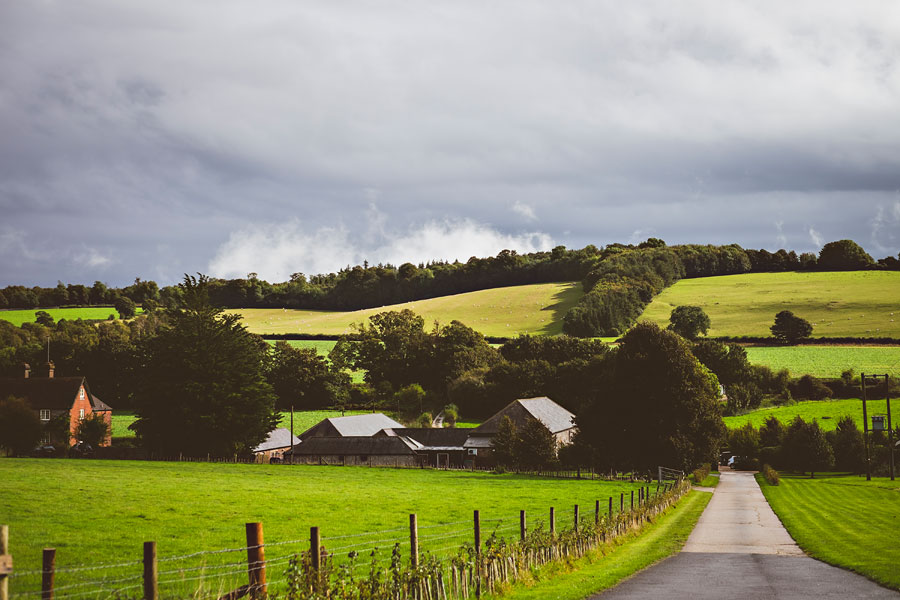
619	279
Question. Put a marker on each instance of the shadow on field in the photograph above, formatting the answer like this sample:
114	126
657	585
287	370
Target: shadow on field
563	301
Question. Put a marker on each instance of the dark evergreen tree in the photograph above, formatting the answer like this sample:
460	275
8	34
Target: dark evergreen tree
202	383
20	428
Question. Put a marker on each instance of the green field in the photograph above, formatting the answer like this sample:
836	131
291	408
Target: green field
843	520
303	420
100	512
99	313
852	303
827	361
501	312
827	412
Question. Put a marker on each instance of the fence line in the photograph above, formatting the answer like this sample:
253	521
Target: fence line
488	553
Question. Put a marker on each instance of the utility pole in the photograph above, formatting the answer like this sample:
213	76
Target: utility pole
862	380
887	397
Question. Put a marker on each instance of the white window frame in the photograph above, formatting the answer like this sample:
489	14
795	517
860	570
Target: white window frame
81	394
80	414
45	414
45	439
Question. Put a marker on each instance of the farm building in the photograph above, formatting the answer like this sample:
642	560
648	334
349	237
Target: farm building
440	447
551	415
60	402
352	426
375	451
279	441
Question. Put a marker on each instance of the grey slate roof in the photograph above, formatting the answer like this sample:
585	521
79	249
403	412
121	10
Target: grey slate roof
432	437
353	446
99	405
278	438
552	415
355	425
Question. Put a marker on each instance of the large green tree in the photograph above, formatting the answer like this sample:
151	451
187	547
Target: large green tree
689	321
304	380
658	405
202	382
789	328
844	255
20	428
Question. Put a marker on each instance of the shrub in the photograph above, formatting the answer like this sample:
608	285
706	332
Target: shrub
771	475
700	473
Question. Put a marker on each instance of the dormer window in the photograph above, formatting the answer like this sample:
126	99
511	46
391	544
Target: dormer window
45	414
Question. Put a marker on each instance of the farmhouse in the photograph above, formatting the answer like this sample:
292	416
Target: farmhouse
60	402
551	415
279	441
352	426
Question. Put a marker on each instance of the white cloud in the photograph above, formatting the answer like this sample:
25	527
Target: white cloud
885	227
92	258
816	238
274	251
781	238
524	210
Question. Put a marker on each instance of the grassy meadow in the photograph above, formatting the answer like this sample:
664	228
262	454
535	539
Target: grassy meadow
502	312
303	420
100	512
851	303
843	520
827	412
827	361
99	313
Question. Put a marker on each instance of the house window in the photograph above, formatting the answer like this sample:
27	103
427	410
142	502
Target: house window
80	413
81	394
45	439
45	414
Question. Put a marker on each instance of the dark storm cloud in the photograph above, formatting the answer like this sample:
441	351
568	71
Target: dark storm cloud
154	139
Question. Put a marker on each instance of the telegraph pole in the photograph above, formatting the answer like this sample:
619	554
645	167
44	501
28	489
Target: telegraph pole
862	380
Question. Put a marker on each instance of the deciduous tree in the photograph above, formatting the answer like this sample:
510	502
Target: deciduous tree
789	328
20	428
689	321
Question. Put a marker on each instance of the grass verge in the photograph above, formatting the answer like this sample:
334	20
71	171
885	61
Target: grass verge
710	481
605	568
842	520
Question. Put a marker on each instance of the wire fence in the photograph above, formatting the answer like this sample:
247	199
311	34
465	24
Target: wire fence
451	550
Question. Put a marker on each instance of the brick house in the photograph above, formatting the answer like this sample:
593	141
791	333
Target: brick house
50	397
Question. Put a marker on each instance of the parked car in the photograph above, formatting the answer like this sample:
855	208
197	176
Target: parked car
44	451
82	450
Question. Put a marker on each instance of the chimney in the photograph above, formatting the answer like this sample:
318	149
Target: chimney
27	369
50	369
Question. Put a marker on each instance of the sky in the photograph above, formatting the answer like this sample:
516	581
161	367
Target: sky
153	139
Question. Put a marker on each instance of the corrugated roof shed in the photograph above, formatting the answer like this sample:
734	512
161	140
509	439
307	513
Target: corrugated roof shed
278	438
439	437
353	446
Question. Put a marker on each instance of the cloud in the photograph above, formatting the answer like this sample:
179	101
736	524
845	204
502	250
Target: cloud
524	210
275	251
816	238
780	238
885	227
92	258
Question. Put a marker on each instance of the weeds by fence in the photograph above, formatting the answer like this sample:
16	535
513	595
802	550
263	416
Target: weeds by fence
444	561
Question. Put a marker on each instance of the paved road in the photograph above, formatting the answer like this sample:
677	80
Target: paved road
739	549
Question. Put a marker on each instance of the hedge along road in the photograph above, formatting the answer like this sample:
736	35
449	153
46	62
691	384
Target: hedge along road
739	549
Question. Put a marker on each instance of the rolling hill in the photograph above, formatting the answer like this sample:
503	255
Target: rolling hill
838	304
502	312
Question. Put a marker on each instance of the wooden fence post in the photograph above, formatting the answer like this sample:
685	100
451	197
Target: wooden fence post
151	572
632	500
522	525
576	517
48	573
6	565
413	541
314	549
597	512
256	560
552	521
610	508
477	523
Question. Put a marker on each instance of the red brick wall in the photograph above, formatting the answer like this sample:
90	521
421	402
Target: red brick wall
82	401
